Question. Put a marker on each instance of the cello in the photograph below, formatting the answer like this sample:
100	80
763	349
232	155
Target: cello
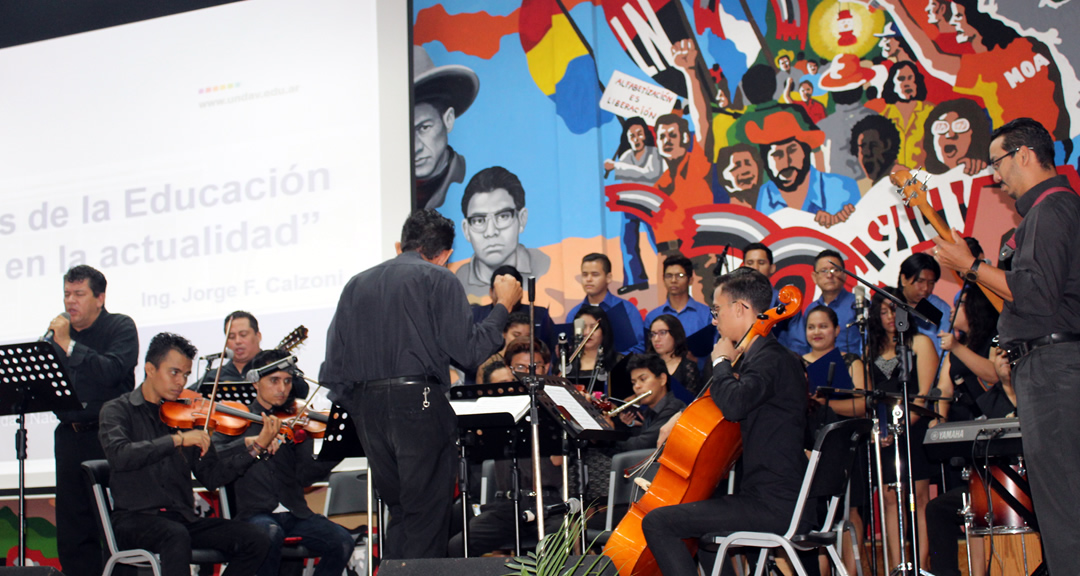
701	450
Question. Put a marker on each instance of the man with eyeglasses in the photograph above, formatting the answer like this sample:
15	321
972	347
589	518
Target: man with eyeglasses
495	215
829	277
678	275
1039	327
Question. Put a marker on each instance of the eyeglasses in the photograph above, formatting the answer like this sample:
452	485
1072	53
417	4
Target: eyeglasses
828	272
996	163
959	126
659	333
503	219
678	276
715	310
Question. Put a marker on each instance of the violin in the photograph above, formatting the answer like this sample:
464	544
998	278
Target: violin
303	422
701	449
229	418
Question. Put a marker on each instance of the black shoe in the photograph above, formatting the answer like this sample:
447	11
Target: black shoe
639	286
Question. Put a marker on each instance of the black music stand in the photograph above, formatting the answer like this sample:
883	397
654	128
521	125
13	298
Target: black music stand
32	379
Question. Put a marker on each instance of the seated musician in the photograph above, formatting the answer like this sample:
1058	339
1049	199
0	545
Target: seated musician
152	465
244	341
598	356
517	326
943	518
517	356
493	528
270	494
765	392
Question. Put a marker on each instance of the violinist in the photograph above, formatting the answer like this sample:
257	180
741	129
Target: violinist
270	494
764	390
152	466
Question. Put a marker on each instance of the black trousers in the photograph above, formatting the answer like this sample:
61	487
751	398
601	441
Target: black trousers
943	522
493	529
666	527
1047	383
77	541
410	450
169	536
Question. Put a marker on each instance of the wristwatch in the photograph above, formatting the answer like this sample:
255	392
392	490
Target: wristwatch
720	359
972	275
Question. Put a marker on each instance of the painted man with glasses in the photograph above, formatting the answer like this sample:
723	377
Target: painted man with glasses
678	275
829	277
495	215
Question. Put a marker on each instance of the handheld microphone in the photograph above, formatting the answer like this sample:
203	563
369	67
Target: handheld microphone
216	355
49	333
287	364
832	372
571	506
721	259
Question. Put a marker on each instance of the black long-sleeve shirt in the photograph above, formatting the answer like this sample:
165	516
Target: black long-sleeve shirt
769	401
102	364
645	436
1045	275
406	317
279	480
149	473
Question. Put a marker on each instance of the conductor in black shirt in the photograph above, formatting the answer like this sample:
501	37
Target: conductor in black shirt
768	400
388	351
100	351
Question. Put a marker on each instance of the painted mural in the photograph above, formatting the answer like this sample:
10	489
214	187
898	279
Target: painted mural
550	129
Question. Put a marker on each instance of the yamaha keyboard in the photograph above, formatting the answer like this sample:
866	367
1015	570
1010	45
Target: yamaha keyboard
978	438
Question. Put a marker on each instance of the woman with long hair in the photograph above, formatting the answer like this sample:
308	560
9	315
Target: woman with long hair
667	339
598	356
967	370
885	370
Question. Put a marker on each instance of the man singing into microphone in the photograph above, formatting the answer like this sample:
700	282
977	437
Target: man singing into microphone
99	351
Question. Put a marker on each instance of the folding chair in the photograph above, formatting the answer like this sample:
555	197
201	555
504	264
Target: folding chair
621	490
97	474
827	475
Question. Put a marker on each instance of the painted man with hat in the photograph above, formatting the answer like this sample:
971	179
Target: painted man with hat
441	94
786	145
844	80
785	71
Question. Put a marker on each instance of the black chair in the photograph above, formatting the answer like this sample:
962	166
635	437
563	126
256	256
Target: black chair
827	476
97	475
622	491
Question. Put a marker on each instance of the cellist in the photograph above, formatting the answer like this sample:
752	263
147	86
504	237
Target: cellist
763	388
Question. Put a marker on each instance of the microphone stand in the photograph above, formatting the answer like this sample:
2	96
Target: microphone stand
873	447
535	384
941	364
901	417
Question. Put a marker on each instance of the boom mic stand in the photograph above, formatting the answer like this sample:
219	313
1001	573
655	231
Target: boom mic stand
901	415
535	385
861	307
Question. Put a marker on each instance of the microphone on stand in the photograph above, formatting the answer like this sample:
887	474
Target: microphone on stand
563	345
49	333
721	260
861	307
216	355
571	506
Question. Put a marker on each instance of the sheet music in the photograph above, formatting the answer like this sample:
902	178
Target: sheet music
562	397
516	406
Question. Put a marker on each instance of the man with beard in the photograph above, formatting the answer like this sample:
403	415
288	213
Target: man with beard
740	173
495	216
441	94
905	105
793	182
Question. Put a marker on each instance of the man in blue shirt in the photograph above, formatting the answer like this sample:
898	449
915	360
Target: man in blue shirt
595	278
829	277
678	275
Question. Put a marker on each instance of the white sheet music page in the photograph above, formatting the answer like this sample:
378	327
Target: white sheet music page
564	398
516	406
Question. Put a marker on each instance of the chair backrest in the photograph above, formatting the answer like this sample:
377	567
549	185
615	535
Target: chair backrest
97	475
830	465
623	490
347	493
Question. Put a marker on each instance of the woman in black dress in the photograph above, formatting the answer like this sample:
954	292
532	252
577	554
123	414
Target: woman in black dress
885	373
667	339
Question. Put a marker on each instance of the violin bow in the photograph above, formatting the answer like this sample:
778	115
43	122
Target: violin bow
217	377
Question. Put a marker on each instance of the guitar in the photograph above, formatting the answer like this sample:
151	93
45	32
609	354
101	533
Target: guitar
914	194
293	339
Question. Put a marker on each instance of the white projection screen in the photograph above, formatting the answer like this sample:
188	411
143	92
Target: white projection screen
252	156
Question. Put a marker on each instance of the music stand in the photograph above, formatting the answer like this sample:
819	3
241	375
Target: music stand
32	379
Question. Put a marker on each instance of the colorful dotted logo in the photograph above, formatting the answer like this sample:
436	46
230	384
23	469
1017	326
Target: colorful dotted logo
219	88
